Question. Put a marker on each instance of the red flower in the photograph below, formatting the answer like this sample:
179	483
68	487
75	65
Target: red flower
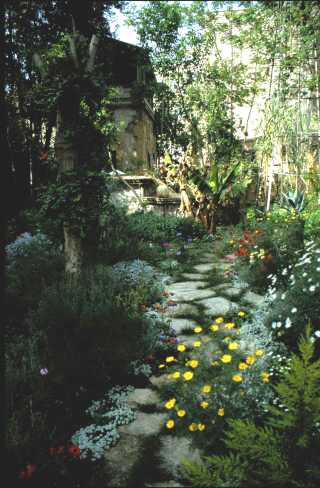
27	472
74	450
242	251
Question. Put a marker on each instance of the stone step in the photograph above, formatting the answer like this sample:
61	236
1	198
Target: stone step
173	449
181	310
180	325
142	397
191	295
192	276
145	425
218	306
128	448
159	381
204	268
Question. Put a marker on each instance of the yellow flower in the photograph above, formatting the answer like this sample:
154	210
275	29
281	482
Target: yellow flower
176	375
188	375
214	328
197	344
242	366
170	403
181	348
193	427
170	424
250	360
242	314
237	378
206	389
197	329
219	320
204	404
231	242
161	366
259	352
201	427
226	358
193	363
226	339
265	377
215	363
170	359
181	413
233	346
229	325
221	412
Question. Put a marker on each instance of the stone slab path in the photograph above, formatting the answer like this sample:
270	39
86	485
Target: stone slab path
190	299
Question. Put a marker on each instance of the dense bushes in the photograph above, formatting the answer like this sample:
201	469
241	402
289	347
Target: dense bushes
94	326
284	450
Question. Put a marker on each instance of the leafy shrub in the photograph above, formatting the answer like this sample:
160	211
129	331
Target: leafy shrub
268	248
219	378
150	226
95	326
33	262
284	451
137	272
296	301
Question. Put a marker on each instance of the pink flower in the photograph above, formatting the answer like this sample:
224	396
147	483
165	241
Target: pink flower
44	371
28	471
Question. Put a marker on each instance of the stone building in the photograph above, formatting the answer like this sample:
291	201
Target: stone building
134	153
132	107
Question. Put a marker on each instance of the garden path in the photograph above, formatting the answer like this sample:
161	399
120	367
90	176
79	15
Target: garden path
138	459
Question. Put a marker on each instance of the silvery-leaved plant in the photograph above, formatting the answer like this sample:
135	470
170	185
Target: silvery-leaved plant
106	415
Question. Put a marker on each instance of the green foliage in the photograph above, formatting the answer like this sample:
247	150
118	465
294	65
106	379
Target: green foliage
215	471
152	227
33	262
295	200
284	451
79	198
93	327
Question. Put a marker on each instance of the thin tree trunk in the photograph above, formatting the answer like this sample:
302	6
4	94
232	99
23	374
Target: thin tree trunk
68	160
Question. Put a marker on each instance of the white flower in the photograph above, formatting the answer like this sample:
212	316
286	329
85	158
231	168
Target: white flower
312	288
317	333
283	296
304	274
284	272
294	310
318	269
288	323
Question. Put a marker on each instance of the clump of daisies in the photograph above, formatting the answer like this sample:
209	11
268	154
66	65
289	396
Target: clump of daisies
298	302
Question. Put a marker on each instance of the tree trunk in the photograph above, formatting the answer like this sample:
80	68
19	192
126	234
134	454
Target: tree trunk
67	157
185	206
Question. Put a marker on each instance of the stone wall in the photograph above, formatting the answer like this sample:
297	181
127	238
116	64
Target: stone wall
135	150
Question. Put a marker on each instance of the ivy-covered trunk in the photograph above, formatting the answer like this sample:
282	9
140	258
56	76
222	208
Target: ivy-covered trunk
67	157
